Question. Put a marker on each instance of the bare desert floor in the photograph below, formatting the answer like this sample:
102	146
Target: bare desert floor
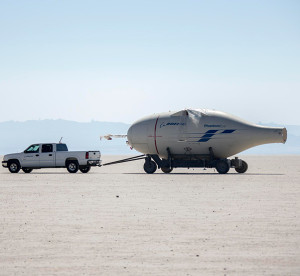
117	220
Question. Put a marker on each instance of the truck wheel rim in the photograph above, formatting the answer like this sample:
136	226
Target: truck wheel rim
13	167
72	167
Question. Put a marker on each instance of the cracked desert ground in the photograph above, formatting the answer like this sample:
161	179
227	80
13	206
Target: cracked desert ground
117	220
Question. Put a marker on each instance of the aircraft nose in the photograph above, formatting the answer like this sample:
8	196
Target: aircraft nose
137	133
284	135
130	135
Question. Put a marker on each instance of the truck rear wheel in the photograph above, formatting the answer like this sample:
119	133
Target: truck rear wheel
26	170
72	166
85	169
14	166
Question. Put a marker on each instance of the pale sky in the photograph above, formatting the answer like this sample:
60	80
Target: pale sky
121	60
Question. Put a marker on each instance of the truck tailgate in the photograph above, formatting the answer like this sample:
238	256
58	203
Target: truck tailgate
94	155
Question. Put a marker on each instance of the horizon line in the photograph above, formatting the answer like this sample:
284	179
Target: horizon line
115	122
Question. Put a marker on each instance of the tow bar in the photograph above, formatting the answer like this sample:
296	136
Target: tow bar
134	158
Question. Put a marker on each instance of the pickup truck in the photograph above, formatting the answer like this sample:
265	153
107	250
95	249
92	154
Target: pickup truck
53	155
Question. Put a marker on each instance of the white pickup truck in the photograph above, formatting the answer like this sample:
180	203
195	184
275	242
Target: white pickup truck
53	155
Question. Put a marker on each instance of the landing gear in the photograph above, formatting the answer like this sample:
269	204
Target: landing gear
166	170
150	166
243	168
210	160
222	166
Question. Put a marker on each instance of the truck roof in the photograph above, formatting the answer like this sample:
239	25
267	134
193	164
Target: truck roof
49	143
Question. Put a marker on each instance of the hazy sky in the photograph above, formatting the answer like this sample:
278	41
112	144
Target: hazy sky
120	60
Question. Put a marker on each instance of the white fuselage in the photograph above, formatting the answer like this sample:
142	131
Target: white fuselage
193	131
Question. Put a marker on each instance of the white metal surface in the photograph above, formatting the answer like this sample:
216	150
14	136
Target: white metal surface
194	131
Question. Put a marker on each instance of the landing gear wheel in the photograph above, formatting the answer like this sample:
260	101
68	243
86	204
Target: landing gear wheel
85	169
243	168
26	170
72	166
150	167
14	166
166	170
222	167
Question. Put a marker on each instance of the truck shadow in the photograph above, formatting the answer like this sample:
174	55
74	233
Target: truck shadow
41	173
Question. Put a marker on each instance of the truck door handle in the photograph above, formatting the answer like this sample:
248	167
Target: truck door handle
50	154
37	155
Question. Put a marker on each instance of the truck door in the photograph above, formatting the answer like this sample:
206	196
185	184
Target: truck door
47	155
31	157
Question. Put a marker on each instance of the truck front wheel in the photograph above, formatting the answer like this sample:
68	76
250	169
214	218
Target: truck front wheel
85	169
72	166
14	166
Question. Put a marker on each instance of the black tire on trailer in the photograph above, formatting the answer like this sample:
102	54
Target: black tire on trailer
85	169
26	170
150	167
72	166
222	166
166	170
243	168
14	166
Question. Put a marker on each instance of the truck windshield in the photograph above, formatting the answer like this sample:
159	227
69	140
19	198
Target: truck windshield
61	147
32	149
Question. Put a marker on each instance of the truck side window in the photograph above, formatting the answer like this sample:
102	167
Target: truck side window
32	149
47	148
61	147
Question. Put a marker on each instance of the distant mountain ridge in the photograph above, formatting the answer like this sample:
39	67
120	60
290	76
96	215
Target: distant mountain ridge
16	136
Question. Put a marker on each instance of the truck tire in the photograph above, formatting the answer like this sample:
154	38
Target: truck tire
72	166
14	166
85	169
26	170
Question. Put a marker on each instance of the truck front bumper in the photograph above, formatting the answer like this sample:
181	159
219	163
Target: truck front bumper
4	164
94	163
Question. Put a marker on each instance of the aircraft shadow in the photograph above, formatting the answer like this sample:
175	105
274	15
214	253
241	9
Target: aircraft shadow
237	174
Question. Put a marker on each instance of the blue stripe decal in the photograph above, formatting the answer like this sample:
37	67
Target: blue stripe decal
228	130
210	133
204	140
